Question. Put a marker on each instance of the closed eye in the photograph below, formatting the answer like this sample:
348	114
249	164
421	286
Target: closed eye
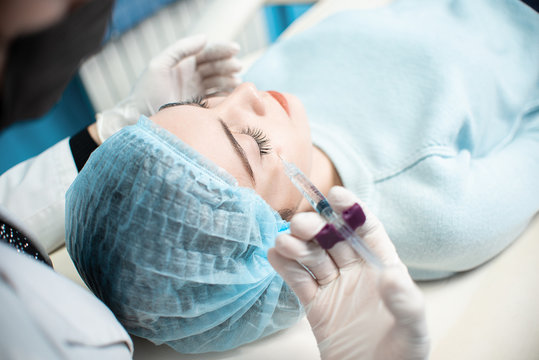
260	138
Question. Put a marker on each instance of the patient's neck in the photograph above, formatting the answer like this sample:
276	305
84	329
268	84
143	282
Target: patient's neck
323	175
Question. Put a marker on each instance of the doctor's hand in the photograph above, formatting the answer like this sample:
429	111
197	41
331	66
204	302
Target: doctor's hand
185	70
355	310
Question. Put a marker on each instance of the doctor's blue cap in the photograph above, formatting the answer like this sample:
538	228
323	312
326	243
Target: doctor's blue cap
173	246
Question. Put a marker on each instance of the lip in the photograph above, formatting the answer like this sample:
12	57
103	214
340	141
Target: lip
280	99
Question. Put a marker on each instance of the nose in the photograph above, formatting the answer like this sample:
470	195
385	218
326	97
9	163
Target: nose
246	97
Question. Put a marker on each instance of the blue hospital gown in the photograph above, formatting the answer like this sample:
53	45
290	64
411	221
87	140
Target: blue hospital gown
429	111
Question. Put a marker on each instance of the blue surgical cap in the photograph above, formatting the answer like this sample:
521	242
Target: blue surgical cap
174	246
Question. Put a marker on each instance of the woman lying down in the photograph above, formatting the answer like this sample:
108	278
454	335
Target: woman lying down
428	111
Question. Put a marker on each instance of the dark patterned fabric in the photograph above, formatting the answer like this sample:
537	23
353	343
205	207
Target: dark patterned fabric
20	242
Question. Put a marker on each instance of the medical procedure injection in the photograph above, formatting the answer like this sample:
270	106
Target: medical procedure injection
319	203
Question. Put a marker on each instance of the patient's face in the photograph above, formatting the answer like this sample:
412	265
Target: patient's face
243	133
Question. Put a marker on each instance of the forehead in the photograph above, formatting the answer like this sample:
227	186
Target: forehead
189	123
202	130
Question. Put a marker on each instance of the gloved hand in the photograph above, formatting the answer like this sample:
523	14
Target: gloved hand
184	70
355	310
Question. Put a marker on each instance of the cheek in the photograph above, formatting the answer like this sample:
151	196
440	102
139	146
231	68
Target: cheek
298	145
294	145
277	189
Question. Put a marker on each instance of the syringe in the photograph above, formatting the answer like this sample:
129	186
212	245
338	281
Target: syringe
319	202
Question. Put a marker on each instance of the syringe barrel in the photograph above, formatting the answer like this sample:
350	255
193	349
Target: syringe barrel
319	202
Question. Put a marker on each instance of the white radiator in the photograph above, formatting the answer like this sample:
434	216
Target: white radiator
109	75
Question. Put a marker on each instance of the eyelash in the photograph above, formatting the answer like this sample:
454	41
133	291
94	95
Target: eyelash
261	139
198	100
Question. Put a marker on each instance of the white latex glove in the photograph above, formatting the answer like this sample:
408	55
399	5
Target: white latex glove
183	71
355	310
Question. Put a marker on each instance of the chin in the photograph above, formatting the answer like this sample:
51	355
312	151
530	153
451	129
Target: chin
288	211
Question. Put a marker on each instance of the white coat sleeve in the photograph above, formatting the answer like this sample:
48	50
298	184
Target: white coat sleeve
47	316
34	192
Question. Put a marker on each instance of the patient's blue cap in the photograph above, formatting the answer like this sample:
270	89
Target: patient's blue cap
174	246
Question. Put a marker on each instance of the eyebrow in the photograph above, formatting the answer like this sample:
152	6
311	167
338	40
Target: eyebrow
239	150
237	147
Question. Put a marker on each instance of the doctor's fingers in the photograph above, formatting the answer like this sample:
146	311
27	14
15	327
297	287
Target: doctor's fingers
307	226
295	275
217	51
220	85
178	51
302	246
309	254
219	67
370	230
